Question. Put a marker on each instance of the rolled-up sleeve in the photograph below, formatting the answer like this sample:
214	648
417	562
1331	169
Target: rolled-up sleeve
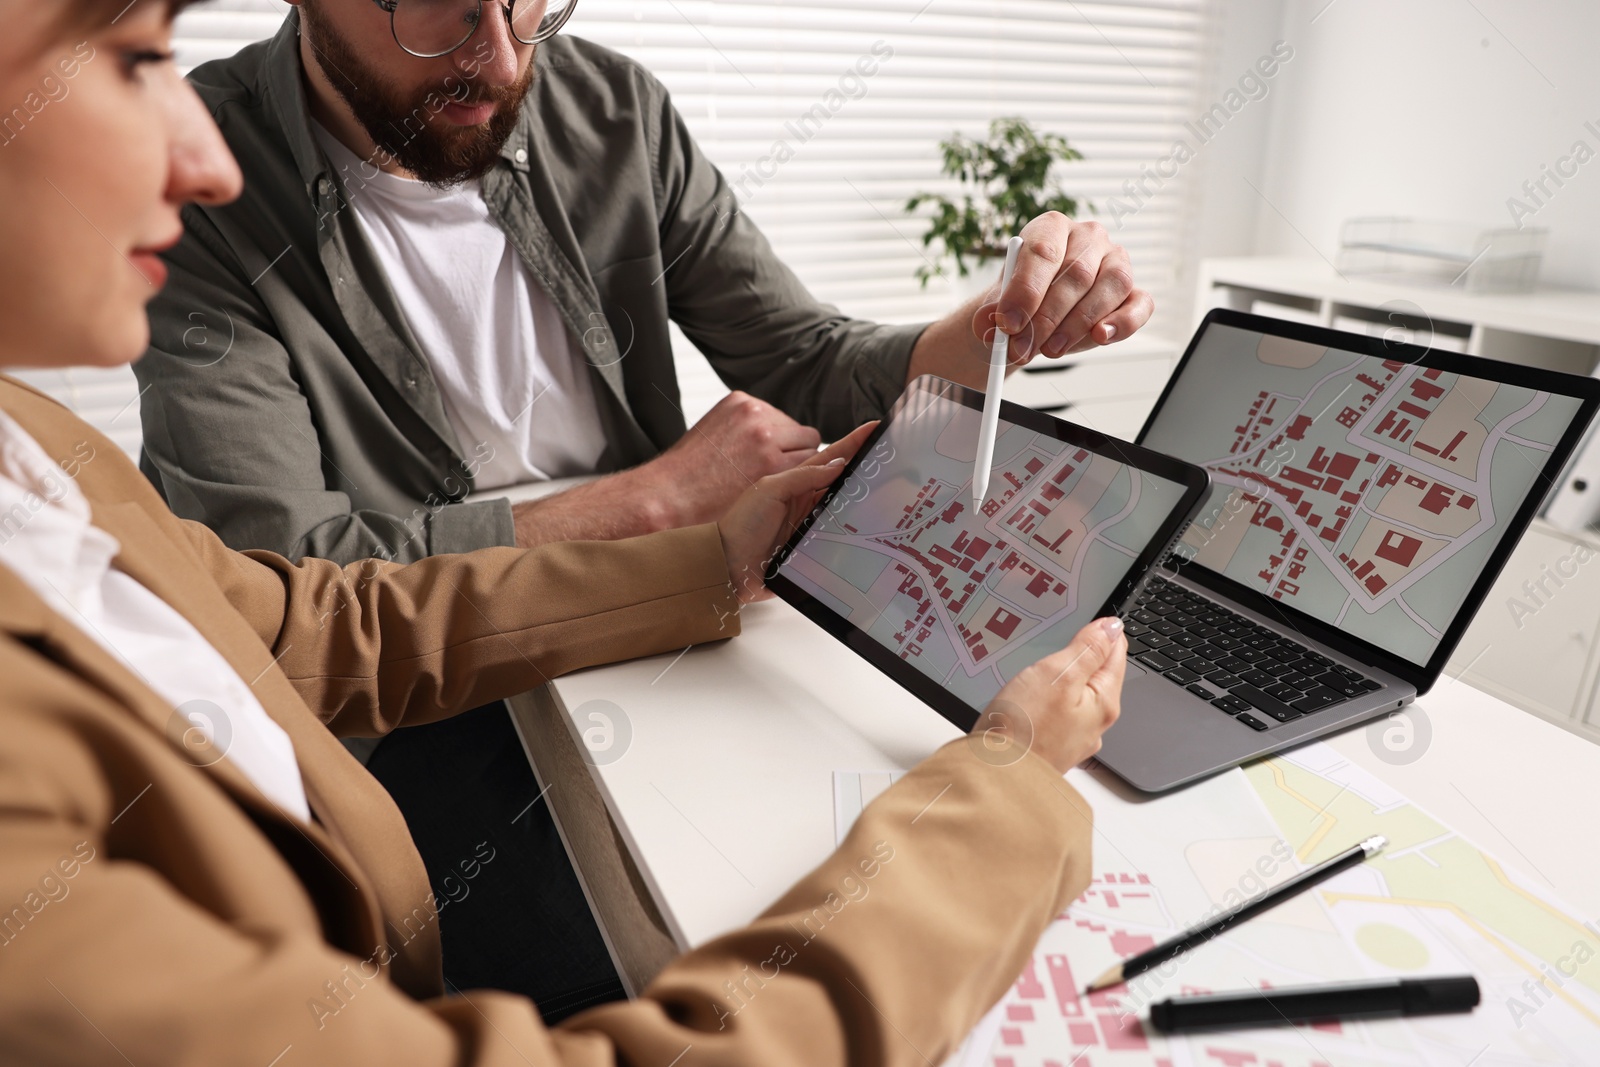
756	322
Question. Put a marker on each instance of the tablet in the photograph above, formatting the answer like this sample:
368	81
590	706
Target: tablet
952	601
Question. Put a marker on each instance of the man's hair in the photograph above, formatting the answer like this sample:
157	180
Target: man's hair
91	16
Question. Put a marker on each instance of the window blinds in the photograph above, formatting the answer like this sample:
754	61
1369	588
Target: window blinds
824	154
826	115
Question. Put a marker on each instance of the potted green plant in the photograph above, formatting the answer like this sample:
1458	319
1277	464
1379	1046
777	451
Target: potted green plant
1007	181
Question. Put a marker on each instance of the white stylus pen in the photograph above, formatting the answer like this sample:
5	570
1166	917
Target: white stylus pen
990	423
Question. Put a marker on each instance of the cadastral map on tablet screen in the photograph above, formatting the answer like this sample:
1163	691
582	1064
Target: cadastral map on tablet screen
971	596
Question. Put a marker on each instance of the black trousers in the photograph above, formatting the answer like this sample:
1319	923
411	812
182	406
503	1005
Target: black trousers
512	915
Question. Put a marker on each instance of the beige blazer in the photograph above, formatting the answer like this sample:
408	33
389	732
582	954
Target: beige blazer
155	908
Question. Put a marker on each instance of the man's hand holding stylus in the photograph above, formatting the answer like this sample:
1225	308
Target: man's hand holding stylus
1073	290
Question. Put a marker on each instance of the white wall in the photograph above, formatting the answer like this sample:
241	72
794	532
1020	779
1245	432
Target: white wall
1435	108
1221	202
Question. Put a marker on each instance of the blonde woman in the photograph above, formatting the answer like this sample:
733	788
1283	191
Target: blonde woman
194	871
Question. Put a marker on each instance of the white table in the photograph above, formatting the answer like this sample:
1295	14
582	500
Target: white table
721	794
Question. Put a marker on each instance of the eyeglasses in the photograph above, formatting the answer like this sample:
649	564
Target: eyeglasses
432	28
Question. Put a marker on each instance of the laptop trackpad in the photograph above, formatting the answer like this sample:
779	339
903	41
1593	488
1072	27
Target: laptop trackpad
1167	736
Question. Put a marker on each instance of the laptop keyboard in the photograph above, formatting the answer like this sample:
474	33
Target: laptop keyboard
1244	669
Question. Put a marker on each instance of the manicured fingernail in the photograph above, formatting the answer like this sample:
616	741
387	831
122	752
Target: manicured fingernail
1056	345
1015	321
837	462
1112	625
1110	332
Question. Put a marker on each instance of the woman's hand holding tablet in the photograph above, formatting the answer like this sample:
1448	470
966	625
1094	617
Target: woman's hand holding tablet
1060	706
766	515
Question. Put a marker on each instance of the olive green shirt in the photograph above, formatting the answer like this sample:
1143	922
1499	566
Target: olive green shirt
286	403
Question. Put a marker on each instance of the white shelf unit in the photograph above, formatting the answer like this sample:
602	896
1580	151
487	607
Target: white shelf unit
1554	328
1538	650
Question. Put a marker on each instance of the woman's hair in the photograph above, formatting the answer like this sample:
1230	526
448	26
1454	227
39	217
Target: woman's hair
91	16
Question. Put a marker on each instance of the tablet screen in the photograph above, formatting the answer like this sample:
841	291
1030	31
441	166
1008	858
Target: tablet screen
969	596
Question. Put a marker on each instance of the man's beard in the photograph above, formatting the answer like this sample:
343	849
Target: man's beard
411	130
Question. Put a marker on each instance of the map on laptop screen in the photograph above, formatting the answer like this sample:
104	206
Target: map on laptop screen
971	597
1367	493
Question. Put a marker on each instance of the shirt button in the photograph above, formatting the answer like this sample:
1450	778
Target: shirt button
521	155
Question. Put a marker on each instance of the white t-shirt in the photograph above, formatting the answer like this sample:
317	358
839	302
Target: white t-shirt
507	368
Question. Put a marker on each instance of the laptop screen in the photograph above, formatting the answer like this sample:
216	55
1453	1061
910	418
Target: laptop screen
1368	493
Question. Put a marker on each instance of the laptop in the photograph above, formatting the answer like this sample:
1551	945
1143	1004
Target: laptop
952	600
1365	495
